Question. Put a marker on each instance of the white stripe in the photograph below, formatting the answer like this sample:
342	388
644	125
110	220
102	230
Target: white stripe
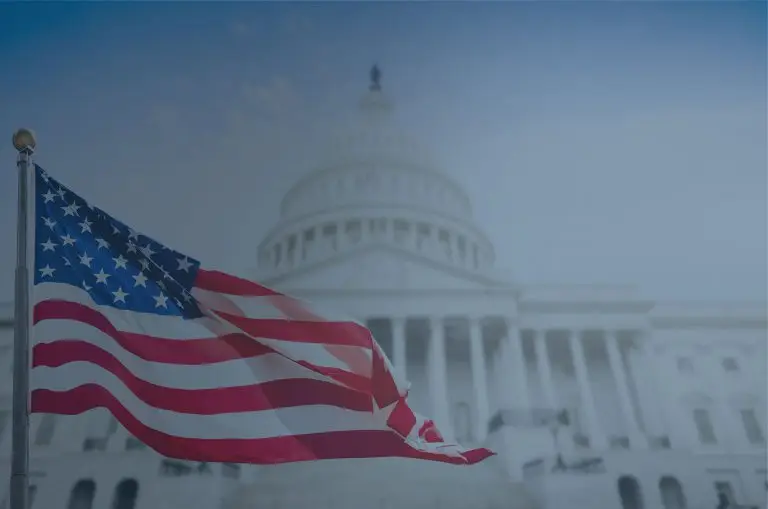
243	425
237	372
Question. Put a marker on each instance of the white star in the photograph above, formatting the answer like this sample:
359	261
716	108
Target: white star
61	193
86	287
68	240
132	235
71	209
50	223
47	271
161	285
186	296
144	264
115	230
140	279
147	251
160	301
66	261
85	226
166	274
184	264
45	177
131	247
86	260
49	246
101	277
49	196
120	295
102	244
120	262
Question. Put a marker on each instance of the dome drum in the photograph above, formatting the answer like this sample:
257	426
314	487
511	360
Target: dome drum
327	235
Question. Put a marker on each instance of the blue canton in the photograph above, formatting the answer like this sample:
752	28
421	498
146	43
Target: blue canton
81	245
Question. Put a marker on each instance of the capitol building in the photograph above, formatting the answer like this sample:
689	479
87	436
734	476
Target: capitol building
593	396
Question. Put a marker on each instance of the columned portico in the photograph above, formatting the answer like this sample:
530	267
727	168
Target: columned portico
515	391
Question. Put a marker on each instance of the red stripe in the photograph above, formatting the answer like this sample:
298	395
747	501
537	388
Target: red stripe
328	333
155	349
331	445
220	282
265	396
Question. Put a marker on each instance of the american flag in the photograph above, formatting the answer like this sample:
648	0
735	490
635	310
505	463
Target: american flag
202	365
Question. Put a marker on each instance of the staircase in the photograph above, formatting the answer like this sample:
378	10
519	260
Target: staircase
382	484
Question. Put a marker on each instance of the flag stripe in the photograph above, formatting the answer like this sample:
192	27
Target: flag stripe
253	424
53	317
363	443
163	391
219	282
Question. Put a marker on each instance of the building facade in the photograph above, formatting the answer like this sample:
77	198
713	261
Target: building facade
593	396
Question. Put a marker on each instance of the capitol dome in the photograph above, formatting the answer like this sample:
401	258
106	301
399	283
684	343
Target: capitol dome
375	184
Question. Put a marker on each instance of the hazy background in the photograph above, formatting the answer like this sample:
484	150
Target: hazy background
600	142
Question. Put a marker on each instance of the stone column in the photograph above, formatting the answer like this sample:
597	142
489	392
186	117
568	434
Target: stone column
636	437
545	369
596	436
479	376
437	376
399	358
517	364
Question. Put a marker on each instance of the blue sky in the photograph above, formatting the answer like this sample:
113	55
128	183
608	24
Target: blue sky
600	142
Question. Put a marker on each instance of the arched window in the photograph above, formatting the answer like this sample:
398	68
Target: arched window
82	495
125	494
672	495
629	492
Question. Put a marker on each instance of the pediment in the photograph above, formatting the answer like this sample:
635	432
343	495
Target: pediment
380	268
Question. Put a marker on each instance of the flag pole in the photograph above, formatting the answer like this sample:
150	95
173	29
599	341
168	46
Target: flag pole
24	143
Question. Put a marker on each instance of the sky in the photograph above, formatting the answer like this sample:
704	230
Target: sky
600	142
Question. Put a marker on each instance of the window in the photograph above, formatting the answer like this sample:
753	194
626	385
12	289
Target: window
672	495
684	365
45	429
630	493
725	489
704	426
730	364
125	494
81	496
752	427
